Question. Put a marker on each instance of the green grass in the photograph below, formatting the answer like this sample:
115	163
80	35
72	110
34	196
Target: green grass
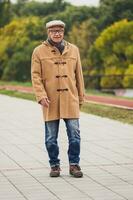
123	115
15	83
18	94
120	114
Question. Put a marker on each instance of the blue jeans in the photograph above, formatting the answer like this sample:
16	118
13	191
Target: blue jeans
51	136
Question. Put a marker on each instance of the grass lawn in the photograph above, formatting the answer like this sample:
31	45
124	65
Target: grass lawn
120	114
2	83
18	94
123	115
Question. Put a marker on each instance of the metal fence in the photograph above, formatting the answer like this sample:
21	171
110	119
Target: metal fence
108	81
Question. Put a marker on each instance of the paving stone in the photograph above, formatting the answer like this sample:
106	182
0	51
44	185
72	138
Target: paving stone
106	157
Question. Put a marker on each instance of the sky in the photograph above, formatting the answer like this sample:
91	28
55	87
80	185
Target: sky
84	2
76	2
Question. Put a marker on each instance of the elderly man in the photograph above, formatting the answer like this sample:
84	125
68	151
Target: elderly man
59	87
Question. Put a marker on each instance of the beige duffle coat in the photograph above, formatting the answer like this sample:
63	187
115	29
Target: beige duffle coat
58	77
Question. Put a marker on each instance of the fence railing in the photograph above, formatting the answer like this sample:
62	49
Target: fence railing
109	81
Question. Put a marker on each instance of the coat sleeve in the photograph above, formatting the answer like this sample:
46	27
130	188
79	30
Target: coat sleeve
79	79
36	77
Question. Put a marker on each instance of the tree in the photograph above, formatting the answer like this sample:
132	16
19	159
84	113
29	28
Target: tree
107	2
18	40
128	79
84	35
115	52
35	8
5	12
114	10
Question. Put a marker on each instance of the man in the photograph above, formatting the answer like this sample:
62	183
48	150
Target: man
58	85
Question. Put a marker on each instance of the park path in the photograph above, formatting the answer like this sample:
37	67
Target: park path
106	157
112	101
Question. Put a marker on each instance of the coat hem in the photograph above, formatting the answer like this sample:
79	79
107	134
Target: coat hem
58	118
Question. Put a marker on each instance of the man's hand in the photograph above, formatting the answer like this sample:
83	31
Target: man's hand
45	102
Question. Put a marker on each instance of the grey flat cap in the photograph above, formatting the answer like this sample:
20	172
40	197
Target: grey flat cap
55	23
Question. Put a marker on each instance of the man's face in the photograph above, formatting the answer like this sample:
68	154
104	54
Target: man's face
56	33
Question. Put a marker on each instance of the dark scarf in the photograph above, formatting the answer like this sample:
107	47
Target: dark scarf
60	45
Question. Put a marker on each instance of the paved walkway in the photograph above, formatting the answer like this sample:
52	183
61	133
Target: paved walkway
106	157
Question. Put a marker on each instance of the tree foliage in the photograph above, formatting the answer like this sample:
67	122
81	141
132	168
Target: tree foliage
115	50
103	34
5	12
17	41
83	36
114	10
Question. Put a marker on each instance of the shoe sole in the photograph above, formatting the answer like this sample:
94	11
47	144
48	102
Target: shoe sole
54	175
76	176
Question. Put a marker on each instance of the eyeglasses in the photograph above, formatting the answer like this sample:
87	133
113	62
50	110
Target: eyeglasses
61	31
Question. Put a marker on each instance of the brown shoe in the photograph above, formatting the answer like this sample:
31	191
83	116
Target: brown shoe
75	171
55	171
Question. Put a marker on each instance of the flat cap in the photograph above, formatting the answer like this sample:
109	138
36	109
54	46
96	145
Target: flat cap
55	23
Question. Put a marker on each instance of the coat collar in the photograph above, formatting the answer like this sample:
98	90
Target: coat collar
66	49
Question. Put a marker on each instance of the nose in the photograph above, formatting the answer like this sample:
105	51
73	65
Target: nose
57	33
